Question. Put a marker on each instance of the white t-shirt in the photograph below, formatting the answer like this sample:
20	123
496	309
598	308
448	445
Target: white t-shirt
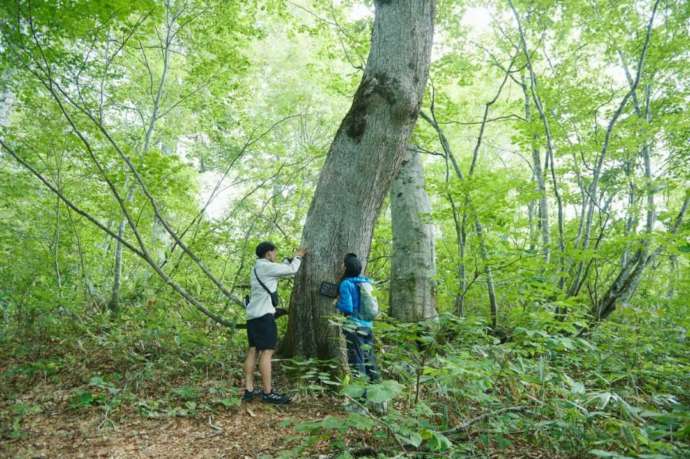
269	273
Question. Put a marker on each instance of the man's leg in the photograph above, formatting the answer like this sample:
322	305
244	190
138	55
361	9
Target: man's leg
265	369
266	343
249	366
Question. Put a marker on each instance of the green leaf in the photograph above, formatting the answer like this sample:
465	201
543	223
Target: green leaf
436	440
385	391
412	438
229	402
354	390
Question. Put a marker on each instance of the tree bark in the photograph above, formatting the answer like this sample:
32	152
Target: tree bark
412	289
362	161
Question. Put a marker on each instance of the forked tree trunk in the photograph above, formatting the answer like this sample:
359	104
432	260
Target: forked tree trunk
363	160
412	290
629	276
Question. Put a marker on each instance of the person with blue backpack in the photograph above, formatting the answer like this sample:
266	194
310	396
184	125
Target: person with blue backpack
357	303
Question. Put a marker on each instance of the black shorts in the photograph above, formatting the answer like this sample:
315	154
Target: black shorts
262	332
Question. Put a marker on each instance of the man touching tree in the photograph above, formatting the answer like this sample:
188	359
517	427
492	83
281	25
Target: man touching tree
262	332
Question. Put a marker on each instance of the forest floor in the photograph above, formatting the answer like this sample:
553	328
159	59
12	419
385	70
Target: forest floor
252	430
64	400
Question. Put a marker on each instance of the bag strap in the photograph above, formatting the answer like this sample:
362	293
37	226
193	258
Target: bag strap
358	286
262	284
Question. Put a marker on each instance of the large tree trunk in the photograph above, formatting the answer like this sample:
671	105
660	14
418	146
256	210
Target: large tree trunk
363	160
412	290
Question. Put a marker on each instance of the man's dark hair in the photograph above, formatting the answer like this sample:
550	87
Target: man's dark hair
263	248
353	266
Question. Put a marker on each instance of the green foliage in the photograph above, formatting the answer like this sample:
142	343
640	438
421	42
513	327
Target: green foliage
314	376
462	393
244	97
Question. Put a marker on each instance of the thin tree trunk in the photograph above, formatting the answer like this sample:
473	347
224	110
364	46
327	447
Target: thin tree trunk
493	305
531	225
412	289
484	254
593	189
461	235
538	174
549	151
649	186
142	252
626	283
363	159
90	294
632	217
490	288
56	244
483	250
114	302
460	223
629	276
672	277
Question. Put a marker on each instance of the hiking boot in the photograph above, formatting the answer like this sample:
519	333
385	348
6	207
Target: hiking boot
275	398
249	395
